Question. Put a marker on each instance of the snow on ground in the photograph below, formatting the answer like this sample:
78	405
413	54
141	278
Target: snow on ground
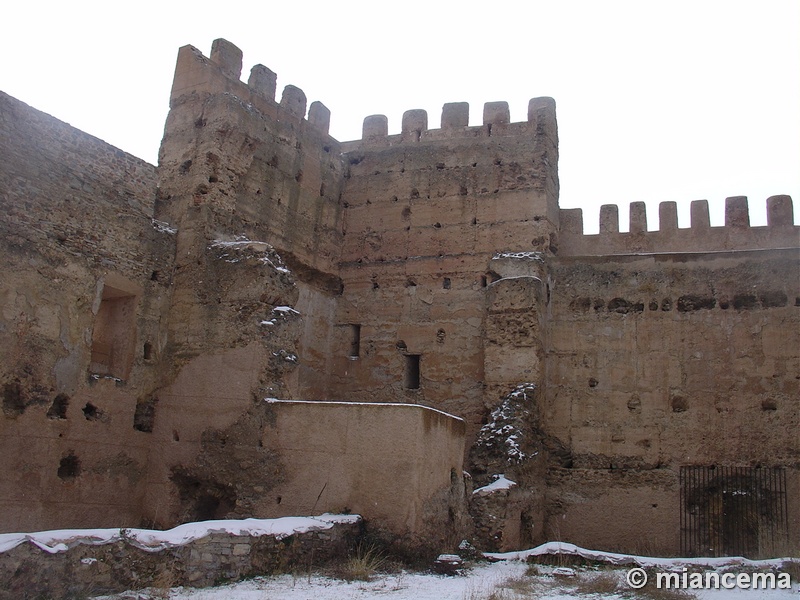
400	586
507	580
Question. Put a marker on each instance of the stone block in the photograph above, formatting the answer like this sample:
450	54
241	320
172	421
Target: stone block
496	113
455	115
228	57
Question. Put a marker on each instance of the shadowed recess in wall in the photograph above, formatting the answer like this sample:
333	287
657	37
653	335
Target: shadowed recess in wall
58	410
13	401
202	499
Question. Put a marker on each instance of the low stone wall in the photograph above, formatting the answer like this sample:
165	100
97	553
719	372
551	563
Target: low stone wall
30	572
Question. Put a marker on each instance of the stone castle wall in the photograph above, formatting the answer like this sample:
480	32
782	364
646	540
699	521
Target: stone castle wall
736	234
138	350
429	267
80	248
337	458
658	361
426	211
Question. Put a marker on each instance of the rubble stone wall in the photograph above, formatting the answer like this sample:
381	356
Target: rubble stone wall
30	572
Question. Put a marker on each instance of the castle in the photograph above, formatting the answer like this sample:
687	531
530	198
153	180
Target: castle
273	322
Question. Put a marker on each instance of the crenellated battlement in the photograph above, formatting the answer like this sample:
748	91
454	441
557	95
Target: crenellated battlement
736	234
427	268
530	148
454	190
221	73
455	124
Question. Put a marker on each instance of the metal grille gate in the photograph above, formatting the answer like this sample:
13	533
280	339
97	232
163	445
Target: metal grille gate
733	511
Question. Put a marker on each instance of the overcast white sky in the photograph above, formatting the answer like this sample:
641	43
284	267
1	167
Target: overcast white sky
679	100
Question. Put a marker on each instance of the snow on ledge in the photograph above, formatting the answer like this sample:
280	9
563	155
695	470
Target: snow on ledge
242	243
163	227
152	540
537	256
285	309
343	403
501	483
627	559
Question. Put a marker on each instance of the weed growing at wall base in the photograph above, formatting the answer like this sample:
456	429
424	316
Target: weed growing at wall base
363	564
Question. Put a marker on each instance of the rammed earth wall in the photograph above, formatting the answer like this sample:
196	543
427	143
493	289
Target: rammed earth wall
429	267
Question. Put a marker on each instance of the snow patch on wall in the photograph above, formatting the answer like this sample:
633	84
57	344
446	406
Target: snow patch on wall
500	483
503	431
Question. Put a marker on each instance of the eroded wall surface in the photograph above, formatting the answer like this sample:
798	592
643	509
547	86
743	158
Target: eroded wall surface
426	211
660	361
83	292
430	267
148	314
669	402
401	464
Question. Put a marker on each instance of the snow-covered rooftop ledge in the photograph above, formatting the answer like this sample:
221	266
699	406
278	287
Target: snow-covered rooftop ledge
627	559
506	278
150	540
379	404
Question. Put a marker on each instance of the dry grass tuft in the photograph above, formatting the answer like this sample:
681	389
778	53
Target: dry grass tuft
361	566
162	585
654	593
519	585
604	584
483	591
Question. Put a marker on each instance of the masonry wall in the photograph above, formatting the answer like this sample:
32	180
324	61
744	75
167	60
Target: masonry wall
432	267
236	163
645	237
114	567
139	350
658	360
81	255
697	355
262	167
426	211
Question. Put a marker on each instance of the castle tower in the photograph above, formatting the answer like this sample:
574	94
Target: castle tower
427	212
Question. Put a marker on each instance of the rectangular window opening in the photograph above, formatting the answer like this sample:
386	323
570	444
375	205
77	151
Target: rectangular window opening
412	372
355	341
114	333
